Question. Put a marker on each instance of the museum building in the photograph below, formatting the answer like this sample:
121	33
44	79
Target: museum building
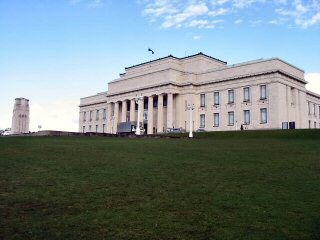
260	94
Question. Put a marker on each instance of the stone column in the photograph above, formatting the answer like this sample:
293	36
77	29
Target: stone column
109	108
132	110
170	110
141	110
160	114
124	111
116	117
150	115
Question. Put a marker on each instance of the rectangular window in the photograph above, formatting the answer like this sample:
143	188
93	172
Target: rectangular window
309	108
216	98
202	120
285	125
319	111
216	119
90	116
309	123
246	117
96	128
97	115
84	116
263	92
104	114
231	118
263	115
314	109
202	100
103	128
230	96
246	94
83	129
89	128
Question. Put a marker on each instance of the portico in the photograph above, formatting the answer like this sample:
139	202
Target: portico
261	94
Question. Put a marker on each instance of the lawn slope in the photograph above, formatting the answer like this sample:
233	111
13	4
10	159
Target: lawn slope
226	185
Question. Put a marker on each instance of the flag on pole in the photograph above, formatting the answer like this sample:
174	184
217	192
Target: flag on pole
150	50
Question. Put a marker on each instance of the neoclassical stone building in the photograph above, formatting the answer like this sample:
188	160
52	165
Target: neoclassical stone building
20	116
261	94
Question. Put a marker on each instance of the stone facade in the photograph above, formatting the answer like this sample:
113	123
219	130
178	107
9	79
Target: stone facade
261	94
20	118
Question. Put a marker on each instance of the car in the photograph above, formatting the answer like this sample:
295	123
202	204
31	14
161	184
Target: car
174	130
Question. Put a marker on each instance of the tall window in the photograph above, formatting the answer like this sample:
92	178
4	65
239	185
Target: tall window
202	120
315	124
83	129
104	114
90	116
319	111
97	115
246	94
216	98
246	117
202	100
314	109
216	119
103	128
231	96
89	128
263	92
84	116
231	118
309	108
263	115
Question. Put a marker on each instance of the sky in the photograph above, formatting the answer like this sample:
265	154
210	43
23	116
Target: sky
55	52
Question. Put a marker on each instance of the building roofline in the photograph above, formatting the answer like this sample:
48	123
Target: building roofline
95	95
183	58
313	94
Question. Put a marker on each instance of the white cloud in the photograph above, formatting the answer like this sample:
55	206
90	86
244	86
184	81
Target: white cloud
61	115
197	37
313	80
180	13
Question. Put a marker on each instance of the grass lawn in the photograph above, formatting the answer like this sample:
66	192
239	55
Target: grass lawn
226	185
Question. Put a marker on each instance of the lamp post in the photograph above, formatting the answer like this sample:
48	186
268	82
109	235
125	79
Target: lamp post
112	120
138	99
190	108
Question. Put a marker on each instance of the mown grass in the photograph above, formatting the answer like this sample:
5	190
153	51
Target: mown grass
226	185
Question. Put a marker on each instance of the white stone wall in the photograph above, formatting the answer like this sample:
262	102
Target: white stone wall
287	98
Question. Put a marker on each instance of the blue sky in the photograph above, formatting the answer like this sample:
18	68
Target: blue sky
54	52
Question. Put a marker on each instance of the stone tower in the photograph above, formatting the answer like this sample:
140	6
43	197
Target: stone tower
20	118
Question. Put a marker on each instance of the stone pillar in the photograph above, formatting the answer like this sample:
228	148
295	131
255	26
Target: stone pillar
160	114
170	110
124	111
109	108
150	115
116	117
141	110
132	110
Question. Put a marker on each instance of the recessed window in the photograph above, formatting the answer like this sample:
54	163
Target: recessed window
90	116
202	100
246	117
216	119
314	109
246	94
103	128
216	98
263	115
231	118
309	108
202	120
104	114
315	124
84	116
230	96
97	115
96	128
83	129
263	92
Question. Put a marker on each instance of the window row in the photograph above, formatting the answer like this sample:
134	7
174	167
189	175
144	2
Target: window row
231	118
96	128
231	96
97	115
312	109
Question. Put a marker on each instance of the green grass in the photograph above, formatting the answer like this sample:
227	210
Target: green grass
226	185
